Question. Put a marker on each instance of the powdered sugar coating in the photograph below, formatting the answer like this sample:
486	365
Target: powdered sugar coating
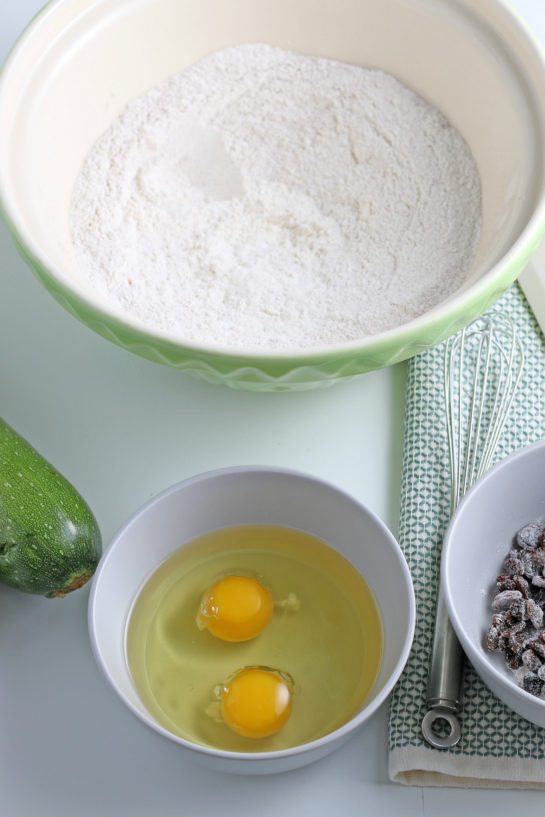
264	199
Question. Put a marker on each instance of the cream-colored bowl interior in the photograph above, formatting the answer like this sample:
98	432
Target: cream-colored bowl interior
82	62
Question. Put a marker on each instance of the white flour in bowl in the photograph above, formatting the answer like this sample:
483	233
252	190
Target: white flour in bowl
272	200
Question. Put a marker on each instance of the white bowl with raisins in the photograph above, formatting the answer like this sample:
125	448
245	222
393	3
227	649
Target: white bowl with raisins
493	579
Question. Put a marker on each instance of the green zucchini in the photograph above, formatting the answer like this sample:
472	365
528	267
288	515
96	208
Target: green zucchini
50	542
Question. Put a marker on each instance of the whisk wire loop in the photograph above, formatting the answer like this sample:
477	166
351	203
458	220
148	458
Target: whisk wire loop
482	368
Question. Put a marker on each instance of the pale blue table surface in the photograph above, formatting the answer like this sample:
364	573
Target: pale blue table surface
122	429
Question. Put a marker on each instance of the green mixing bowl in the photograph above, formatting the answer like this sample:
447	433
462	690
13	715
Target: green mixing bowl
79	63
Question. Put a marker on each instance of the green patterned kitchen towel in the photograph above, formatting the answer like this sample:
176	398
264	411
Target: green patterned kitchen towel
498	748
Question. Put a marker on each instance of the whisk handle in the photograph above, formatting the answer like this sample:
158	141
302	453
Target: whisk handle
445	682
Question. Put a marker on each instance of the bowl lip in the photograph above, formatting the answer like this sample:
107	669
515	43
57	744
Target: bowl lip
475	652
449	312
303	749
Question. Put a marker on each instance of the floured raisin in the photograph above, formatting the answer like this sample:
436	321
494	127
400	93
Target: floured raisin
513	563
503	600
516	639
538	581
530	536
491	639
537	646
498	620
532	684
522	585
534	613
513	660
530	660
506	581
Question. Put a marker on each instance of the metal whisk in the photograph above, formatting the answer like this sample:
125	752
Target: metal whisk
482	368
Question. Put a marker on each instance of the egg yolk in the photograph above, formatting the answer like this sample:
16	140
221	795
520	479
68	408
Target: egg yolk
256	702
235	608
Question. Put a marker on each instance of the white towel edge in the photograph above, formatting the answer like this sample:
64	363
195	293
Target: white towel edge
413	766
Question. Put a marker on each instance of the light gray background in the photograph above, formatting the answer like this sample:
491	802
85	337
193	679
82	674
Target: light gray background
122	429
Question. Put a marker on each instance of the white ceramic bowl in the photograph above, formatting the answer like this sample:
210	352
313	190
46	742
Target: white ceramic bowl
477	541
251	496
79	63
